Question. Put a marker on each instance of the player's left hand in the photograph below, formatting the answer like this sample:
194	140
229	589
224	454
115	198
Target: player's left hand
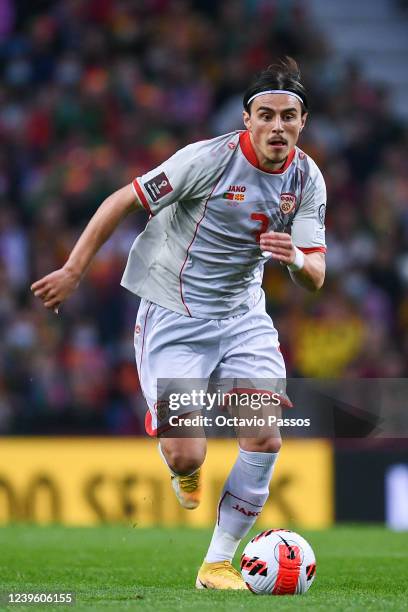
280	245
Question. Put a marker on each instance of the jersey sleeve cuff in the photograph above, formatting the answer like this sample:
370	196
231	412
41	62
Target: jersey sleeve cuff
141	196
316	249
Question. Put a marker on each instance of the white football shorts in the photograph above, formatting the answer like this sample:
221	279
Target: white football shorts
169	345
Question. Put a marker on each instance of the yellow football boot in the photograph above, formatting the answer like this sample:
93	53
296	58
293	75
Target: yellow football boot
188	489
219	575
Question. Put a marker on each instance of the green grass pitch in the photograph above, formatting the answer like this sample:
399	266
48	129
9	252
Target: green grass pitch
121	568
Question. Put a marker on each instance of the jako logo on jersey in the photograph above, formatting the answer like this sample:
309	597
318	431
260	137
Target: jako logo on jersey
158	186
287	202
237	188
245	511
235	192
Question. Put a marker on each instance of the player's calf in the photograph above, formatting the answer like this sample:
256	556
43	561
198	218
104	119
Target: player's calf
184	457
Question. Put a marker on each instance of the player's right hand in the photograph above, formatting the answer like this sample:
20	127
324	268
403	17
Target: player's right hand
56	287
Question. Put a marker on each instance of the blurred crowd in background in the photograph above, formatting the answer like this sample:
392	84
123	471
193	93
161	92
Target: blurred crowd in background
94	93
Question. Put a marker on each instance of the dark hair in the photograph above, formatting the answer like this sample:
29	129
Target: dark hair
285	74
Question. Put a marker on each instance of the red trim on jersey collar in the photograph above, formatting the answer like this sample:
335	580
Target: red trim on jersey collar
249	152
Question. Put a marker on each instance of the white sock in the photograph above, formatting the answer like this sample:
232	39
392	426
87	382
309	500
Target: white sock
242	499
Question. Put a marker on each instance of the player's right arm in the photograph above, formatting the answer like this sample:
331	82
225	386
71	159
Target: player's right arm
56	287
189	173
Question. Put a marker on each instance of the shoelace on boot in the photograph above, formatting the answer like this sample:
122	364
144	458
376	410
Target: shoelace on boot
222	565
189	483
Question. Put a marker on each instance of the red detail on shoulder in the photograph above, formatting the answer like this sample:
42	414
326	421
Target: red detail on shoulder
249	152
308	250
142	196
189	247
289	570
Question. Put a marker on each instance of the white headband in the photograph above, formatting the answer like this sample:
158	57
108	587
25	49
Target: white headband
275	91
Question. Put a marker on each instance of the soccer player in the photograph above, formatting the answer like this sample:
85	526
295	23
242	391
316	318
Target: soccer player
218	210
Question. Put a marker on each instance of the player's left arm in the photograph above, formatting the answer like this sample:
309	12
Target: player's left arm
280	245
304	250
311	276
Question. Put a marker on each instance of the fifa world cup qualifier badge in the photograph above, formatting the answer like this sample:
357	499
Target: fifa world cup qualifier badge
287	203
158	186
322	214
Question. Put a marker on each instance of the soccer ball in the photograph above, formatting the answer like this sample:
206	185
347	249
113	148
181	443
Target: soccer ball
278	562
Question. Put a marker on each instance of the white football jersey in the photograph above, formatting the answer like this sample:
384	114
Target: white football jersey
199	254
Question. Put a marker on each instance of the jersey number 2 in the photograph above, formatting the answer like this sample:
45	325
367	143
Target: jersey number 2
264	221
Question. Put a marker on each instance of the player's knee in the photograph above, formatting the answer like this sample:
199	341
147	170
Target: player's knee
272	445
262	445
184	460
183	464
